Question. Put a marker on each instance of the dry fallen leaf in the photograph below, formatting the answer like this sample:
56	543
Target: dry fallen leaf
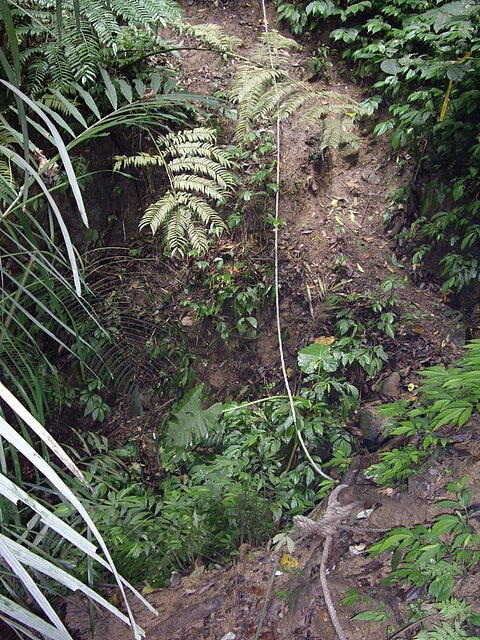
288	562
325	341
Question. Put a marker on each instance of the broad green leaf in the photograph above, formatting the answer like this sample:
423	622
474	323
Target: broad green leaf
189	422
429	551
309	357
441	588
455	72
110	90
391	67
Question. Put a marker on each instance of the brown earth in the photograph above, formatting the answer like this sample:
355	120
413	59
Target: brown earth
334	215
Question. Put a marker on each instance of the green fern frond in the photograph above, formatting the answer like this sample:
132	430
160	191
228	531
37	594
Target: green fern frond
331	135
198	172
82	48
273	49
103	21
142	159
35	76
198	208
60	71
214	37
197	237
297	99
159	212
165	12
277	41
262	92
200	134
281	93
209	188
337	134
7	179
55	61
178	213
202	150
206	167
251	83
189	422
176	237
325	102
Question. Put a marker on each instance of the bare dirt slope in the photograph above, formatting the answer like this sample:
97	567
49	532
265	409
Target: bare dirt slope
333	215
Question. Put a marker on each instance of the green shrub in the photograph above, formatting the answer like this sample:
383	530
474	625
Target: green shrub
448	396
430	561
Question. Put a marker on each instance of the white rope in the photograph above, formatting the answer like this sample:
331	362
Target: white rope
276	277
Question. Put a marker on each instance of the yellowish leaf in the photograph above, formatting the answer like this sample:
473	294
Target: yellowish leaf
288	562
325	340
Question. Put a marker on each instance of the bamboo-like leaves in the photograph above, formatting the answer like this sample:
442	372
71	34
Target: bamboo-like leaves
17	556
200	175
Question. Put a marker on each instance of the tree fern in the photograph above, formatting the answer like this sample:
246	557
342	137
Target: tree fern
200	176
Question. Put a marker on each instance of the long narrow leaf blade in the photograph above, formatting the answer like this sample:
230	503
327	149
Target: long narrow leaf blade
67	163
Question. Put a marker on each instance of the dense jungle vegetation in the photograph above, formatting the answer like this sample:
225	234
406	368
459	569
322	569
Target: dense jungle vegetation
81	511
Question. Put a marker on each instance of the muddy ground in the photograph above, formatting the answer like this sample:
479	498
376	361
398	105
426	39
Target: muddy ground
332	210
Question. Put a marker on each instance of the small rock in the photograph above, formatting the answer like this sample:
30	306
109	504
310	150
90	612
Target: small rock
371	176
421	485
370	423
389	386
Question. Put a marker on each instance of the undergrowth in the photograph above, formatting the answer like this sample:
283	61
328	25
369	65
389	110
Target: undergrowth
449	399
429	562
